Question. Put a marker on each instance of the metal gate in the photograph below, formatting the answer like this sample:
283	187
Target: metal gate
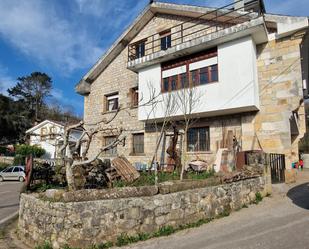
277	165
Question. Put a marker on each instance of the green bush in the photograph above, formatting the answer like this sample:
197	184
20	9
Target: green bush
26	150
19	160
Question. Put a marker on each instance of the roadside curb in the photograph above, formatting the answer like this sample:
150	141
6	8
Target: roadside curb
8	220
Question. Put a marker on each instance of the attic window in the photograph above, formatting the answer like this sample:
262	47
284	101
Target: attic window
140	49
166	40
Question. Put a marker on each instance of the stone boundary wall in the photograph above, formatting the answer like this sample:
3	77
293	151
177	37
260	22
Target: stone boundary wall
80	224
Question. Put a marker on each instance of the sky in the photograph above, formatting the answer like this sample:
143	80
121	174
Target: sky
65	38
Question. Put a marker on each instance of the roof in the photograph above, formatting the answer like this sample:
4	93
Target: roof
57	123
83	86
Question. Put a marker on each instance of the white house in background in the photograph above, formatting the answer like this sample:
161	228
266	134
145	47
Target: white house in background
48	135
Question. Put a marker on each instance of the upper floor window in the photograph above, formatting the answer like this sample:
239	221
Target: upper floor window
52	132
198	139
190	71
140	49
166	39
134	96
112	102
44	133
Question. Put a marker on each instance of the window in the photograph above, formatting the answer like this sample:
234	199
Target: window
43	134
204	75
197	69
184	81
52	132
16	169
107	141
214	73
174	82
140	49
138	143
194	77
112	102
134	96
8	170
166	41
165	84
198	139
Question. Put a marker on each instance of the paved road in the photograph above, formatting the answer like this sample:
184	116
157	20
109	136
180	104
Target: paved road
281	221
9	198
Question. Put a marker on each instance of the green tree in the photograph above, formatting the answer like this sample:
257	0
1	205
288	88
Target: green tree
33	90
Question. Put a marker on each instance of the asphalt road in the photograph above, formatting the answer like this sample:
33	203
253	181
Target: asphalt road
280	221
9	198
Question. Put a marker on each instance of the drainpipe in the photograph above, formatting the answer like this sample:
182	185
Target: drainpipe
239	5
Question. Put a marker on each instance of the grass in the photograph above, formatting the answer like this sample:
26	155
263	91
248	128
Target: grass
258	198
149	178
2	234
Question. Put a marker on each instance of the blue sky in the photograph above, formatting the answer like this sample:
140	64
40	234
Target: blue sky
64	38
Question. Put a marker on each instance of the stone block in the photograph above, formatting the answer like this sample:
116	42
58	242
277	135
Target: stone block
290	175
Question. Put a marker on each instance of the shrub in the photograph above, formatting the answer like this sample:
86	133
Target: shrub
26	150
19	160
4	165
258	197
46	245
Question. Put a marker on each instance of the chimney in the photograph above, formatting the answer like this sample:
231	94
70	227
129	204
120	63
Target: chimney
239	5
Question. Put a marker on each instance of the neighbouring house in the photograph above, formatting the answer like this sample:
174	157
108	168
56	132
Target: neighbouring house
48	135
248	67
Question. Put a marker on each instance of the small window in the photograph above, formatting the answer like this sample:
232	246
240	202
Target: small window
166	40
138	143
140	49
44	133
107	141
112	102
52	132
165	84
198	139
134	97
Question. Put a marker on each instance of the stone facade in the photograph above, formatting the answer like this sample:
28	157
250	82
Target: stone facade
81	224
280	94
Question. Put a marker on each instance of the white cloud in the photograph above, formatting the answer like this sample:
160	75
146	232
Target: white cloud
35	28
59	96
6	81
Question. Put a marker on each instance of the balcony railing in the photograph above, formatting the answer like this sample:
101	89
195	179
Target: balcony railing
208	23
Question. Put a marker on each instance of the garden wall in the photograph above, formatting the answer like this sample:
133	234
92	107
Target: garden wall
81	224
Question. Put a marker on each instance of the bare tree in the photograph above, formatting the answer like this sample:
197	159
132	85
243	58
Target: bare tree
187	101
168	105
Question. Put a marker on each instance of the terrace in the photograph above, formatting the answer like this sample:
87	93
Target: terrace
214	26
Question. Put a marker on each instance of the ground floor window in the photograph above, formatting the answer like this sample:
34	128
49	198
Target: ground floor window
107	141
198	139
138	143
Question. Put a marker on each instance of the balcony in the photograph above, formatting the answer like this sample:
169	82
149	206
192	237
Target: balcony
210	29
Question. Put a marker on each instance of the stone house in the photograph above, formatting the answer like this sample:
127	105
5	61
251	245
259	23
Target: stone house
249	69
48	135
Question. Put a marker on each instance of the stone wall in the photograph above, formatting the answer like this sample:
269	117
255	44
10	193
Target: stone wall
81	224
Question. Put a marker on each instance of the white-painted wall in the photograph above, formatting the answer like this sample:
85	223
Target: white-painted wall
51	146
236	91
